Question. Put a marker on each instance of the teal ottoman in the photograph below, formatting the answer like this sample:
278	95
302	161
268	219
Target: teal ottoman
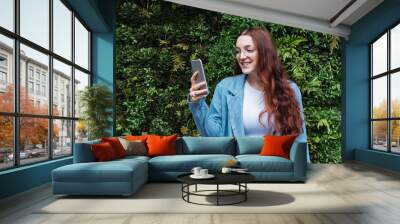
118	177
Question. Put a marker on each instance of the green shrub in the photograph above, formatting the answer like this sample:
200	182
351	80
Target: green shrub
96	101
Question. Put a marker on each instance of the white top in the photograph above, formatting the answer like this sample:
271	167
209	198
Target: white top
253	105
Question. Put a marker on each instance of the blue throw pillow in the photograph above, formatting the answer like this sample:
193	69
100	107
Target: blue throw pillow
249	145
207	145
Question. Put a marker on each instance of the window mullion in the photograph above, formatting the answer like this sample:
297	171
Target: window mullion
50	81
389	93
16	84
73	82
371	137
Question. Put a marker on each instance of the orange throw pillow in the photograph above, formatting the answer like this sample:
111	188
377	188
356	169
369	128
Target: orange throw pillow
103	152
161	145
136	137
277	145
116	145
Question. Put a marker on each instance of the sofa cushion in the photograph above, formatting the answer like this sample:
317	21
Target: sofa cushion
134	147
206	145
277	145
161	145
103	152
111	171
257	163
116	145
133	158
249	145
135	137
185	163
83	152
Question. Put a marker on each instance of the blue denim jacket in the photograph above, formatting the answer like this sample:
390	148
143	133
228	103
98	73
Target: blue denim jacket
224	117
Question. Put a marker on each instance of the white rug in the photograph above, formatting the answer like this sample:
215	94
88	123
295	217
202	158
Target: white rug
166	198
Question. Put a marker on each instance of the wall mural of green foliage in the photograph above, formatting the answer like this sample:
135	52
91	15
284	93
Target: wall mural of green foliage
155	41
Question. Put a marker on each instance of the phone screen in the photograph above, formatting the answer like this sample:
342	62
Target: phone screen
197	65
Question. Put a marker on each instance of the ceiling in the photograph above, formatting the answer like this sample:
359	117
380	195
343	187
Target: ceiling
326	16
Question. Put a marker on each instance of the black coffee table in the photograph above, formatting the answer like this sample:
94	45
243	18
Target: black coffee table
238	179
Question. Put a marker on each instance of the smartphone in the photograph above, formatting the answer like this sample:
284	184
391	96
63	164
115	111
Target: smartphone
197	65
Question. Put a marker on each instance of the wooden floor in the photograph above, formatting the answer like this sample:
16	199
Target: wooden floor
378	188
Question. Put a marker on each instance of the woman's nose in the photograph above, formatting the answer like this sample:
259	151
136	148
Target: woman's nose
242	54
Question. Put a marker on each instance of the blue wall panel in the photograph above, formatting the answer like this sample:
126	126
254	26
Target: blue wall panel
103	64
356	99
102	58
356	106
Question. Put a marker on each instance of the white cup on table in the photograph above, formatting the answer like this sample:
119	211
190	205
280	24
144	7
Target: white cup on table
203	172
196	170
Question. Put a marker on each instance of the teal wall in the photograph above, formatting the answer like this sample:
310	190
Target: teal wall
356	85
103	59
99	15
103	64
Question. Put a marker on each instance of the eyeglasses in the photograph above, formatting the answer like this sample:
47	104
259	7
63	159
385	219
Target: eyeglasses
246	52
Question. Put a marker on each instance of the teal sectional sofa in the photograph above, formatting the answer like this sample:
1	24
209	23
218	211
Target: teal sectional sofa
125	176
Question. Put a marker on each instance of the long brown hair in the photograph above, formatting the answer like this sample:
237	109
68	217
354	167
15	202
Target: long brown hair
279	97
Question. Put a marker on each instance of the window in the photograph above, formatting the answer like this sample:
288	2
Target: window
62	74
34	21
385	94
6	74
30	87
7	142
33	149
43	90
3	78
62	31
38	89
81	45
81	81
30	72
54	125
55	95
3	61
7	14
3	72
37	74
62	129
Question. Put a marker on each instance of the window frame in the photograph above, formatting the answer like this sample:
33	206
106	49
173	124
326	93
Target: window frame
388	74
15	71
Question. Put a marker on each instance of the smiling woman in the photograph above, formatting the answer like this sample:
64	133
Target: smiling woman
260	101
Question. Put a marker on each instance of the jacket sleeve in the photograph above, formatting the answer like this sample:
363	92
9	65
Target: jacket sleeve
208	119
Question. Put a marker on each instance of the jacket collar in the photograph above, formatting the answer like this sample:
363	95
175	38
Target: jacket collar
237	87
235	105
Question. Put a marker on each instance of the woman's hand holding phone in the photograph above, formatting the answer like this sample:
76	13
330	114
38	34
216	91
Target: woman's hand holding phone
197	90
